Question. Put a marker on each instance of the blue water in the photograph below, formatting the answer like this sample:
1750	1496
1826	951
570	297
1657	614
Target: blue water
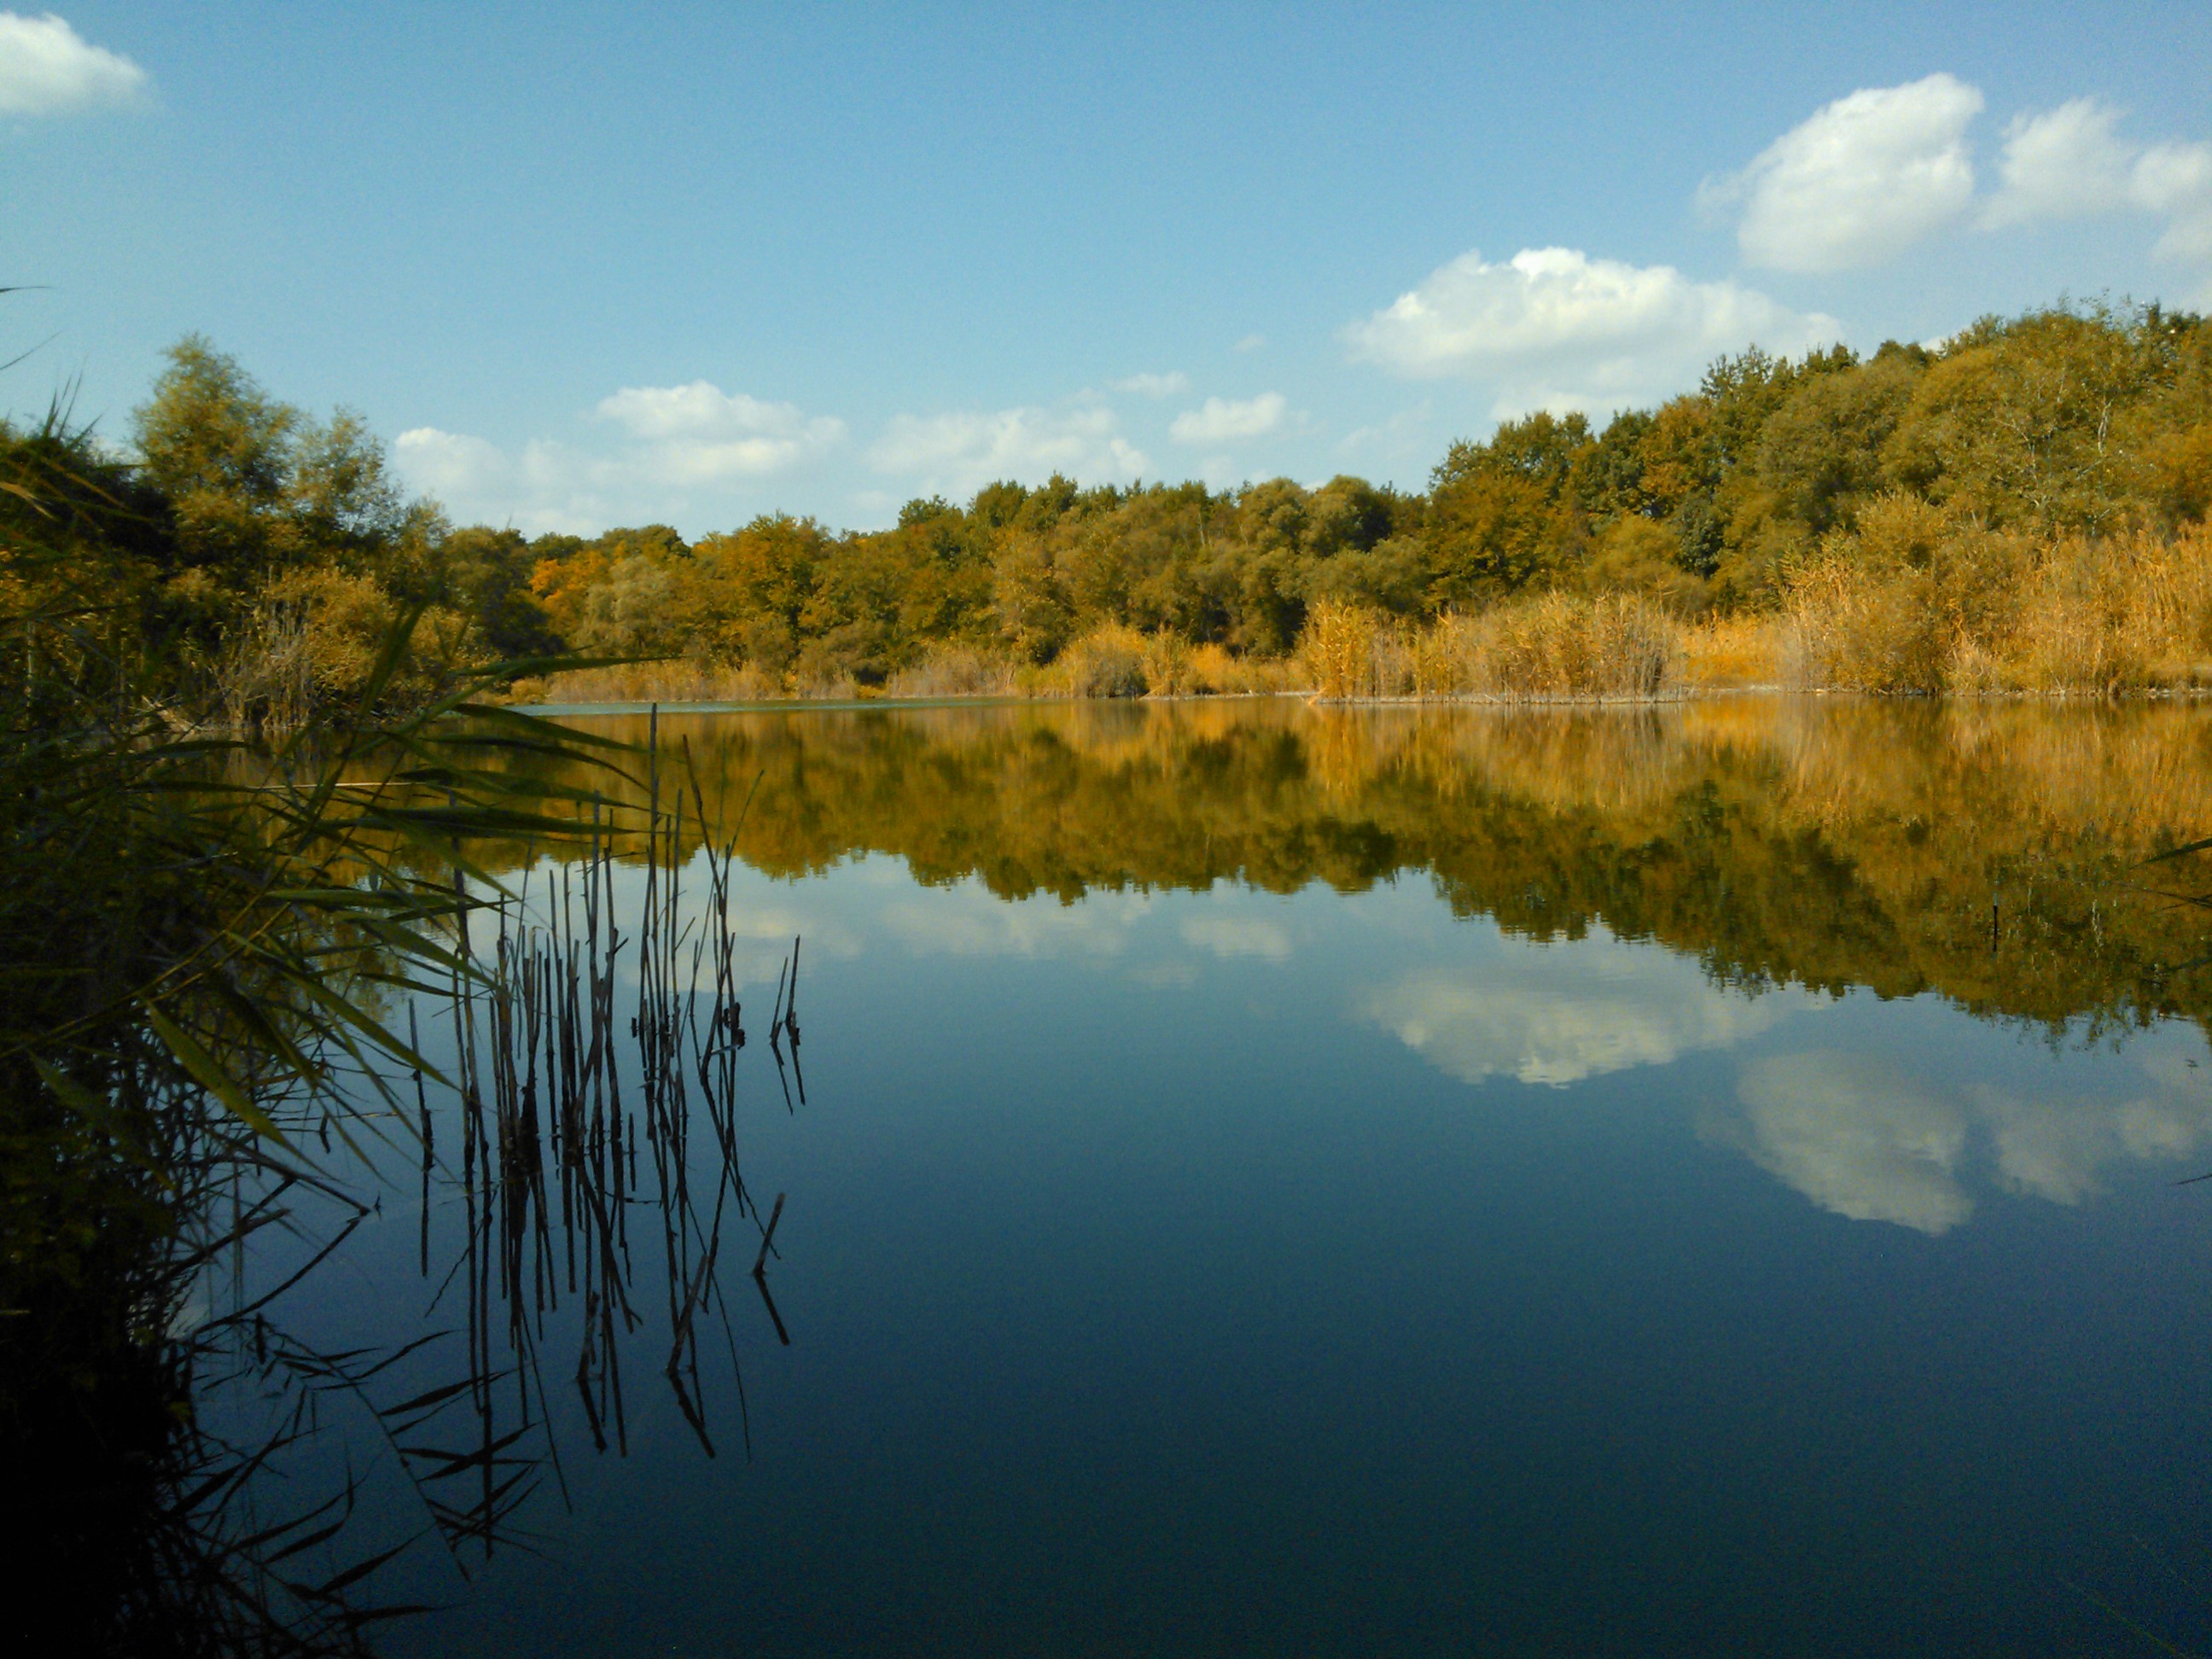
1205	1270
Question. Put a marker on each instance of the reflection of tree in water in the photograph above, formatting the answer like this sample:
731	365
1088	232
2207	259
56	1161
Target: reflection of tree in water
1829	842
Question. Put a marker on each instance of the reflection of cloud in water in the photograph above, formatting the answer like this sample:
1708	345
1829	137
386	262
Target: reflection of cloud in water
967	920
780	925
1237	936
1858	1137
764	935
1559	1014
1166	975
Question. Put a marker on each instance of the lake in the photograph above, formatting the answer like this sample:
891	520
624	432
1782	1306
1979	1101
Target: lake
1277	1179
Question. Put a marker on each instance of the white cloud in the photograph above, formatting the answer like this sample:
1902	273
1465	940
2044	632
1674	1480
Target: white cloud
1252	343
547	487
1554	328
1872	174
1860	181
676	439
699	434
449	464
1225	420
2058	164
1153	385
962	451
47	69
2176	180
1547	1015
2069	162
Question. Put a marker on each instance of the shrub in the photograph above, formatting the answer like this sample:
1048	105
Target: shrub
1108	662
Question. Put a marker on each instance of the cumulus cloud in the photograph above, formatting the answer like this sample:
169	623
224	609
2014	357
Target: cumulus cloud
1859	182
962	451
1226	420
1872	174
2175	181
699	434
679	438
1153	385
1553	328
1556	1017
2070	162
47	69
2058	164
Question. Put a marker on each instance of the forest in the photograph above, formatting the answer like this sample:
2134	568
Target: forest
2021	507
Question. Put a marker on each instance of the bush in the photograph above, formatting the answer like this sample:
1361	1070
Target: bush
1109	662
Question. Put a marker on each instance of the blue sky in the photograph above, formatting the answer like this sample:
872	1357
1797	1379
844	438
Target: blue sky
593	265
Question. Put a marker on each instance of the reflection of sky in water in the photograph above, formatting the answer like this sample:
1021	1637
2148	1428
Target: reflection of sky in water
1899	1129
1860	1135
1559	1013
1301	1268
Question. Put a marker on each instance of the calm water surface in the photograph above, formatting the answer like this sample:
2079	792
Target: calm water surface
1277	1180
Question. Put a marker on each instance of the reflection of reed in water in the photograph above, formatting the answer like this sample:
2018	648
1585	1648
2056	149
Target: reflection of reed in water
560	1169
573	1156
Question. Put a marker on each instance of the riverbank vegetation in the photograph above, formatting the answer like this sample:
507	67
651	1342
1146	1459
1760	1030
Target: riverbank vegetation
2019	508
198	936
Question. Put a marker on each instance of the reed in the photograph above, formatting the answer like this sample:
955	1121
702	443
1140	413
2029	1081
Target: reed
948	670
200	941
677	681
1916	603
1554	645
557	1159
1338	650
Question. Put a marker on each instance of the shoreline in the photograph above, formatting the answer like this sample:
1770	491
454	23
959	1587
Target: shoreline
1466	700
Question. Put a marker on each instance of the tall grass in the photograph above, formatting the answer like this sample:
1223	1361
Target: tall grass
1915	605
677	681
1549	647
952	670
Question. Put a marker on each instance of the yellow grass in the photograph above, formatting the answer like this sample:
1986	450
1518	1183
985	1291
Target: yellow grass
1552	646
1729	653
652	682
955	671
1971	611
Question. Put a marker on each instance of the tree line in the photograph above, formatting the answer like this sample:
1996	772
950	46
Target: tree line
264	554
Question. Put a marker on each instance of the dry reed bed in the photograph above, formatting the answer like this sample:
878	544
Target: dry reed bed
1915	605
1550	646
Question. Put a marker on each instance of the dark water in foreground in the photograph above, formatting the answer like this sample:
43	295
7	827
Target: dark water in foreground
1278	1181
